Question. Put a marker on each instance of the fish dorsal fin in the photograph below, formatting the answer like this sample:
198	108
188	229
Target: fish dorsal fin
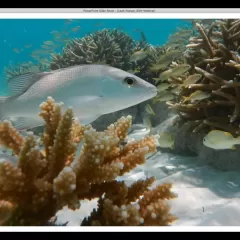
19	84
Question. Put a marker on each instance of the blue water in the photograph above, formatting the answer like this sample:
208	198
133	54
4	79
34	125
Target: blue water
15	33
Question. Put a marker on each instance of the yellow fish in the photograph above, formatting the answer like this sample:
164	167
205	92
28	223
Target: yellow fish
76	29
169	56
218	140
28	46
166	140
165	96
16	50
147	122
174	72
149	110
139	55
157	80
45	46
157	66
163	86
191	80
176	90
49	43
180	69
197	96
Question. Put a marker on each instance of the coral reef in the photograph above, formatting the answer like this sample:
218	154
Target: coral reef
22	68
213	54
107	46
112	47
71	162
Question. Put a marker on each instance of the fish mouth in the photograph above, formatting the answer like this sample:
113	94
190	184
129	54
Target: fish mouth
149	95
153	92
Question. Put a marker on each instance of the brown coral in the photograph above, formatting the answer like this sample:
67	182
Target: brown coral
213	53
45	180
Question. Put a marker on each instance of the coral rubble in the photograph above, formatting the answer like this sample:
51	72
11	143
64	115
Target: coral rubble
53	172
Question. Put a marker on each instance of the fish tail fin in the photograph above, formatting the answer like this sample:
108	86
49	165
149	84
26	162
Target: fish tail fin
3	100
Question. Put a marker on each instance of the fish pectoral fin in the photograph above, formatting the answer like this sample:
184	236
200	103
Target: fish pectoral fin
19	84
25	123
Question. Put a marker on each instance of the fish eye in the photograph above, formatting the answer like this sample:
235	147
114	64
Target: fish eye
129	81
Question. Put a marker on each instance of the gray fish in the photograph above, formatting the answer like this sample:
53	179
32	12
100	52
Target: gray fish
91	90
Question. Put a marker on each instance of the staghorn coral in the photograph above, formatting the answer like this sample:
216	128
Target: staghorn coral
212	52
46	179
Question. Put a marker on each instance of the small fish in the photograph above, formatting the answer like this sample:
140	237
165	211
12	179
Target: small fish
166	74
76	29
166	140
169	56
16	50
56	34
147	122
149	110
165	96
68	21
163	86
218	140
28	46
158	66
45	46
176	90
191	80
157	80
49	43
180	69
197	96
137	56
44	61
34	56
87	88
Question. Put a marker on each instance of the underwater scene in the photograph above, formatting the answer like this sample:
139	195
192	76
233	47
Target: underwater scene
120	122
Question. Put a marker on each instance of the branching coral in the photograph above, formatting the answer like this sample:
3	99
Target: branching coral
46	179
27	67
212	53
112	47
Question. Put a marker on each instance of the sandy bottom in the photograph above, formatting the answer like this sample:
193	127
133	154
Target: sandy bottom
206	197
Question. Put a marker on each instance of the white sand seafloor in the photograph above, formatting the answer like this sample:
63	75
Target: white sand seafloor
206	196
